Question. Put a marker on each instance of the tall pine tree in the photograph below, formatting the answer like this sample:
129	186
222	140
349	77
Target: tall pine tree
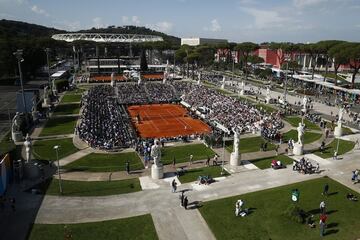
143	62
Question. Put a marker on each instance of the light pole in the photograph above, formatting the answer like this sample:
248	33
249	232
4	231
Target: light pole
223	158
285	83
56	147
18	54
47	51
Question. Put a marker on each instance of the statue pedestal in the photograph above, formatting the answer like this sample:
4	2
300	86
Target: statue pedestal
298	149
46	101
17	136
223	86
35	115
338	131
157	172
242	92
268	100
235	159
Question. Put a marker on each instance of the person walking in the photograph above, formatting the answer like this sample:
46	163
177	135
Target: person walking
322	224
186	202
326	190
173	185
322	207
127	167
182	197
191	159
207	163
174	162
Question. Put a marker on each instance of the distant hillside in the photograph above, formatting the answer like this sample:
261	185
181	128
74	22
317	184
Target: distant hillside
16	29
134	30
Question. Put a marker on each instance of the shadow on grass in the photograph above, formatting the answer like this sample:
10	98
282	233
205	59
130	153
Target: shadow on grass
331	212
332	231
333	193
332	225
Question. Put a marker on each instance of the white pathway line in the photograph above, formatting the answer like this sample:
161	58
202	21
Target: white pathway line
75	156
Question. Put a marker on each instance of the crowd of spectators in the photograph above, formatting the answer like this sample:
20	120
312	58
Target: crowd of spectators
228	111
132	94
159	92
102	122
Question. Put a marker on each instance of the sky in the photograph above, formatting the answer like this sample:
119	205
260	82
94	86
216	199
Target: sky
235	20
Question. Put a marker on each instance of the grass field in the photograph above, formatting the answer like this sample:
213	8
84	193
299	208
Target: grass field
97	162
182	153
346	131
249	145
66	109
68	98
123	229
44	149
294	121
267	221
309	137
6	144
264	163
267	108
95	188
193	174
344	147
59	126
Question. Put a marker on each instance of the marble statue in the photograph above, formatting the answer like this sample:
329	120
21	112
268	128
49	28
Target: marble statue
16	122
139	79
113	83
28	146
305	100
301	132
341	113
235	155
156	152
267	92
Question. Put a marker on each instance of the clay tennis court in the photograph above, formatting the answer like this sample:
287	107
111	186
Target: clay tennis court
165	120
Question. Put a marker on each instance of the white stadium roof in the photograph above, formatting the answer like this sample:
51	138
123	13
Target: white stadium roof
107	37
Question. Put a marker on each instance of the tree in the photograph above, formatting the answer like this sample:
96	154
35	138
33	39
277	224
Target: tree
143	62
339	57
313	51
193	58
352	51
324	47
246	49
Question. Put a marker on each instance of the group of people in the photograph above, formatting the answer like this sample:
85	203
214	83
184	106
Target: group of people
228	111
103	123
150	92
305	166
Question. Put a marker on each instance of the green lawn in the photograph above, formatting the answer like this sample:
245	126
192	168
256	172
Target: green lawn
346	131
94	188
294	121
76	91
6	144
66	109
68	98
267	108
59	126
264	163
44	149
182	153
250	145
139	227
267	221
344	147
309	137
97	162
193	174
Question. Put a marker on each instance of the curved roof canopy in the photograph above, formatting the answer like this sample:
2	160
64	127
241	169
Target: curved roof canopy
107	37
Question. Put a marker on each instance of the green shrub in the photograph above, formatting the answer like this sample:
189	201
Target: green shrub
294	213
